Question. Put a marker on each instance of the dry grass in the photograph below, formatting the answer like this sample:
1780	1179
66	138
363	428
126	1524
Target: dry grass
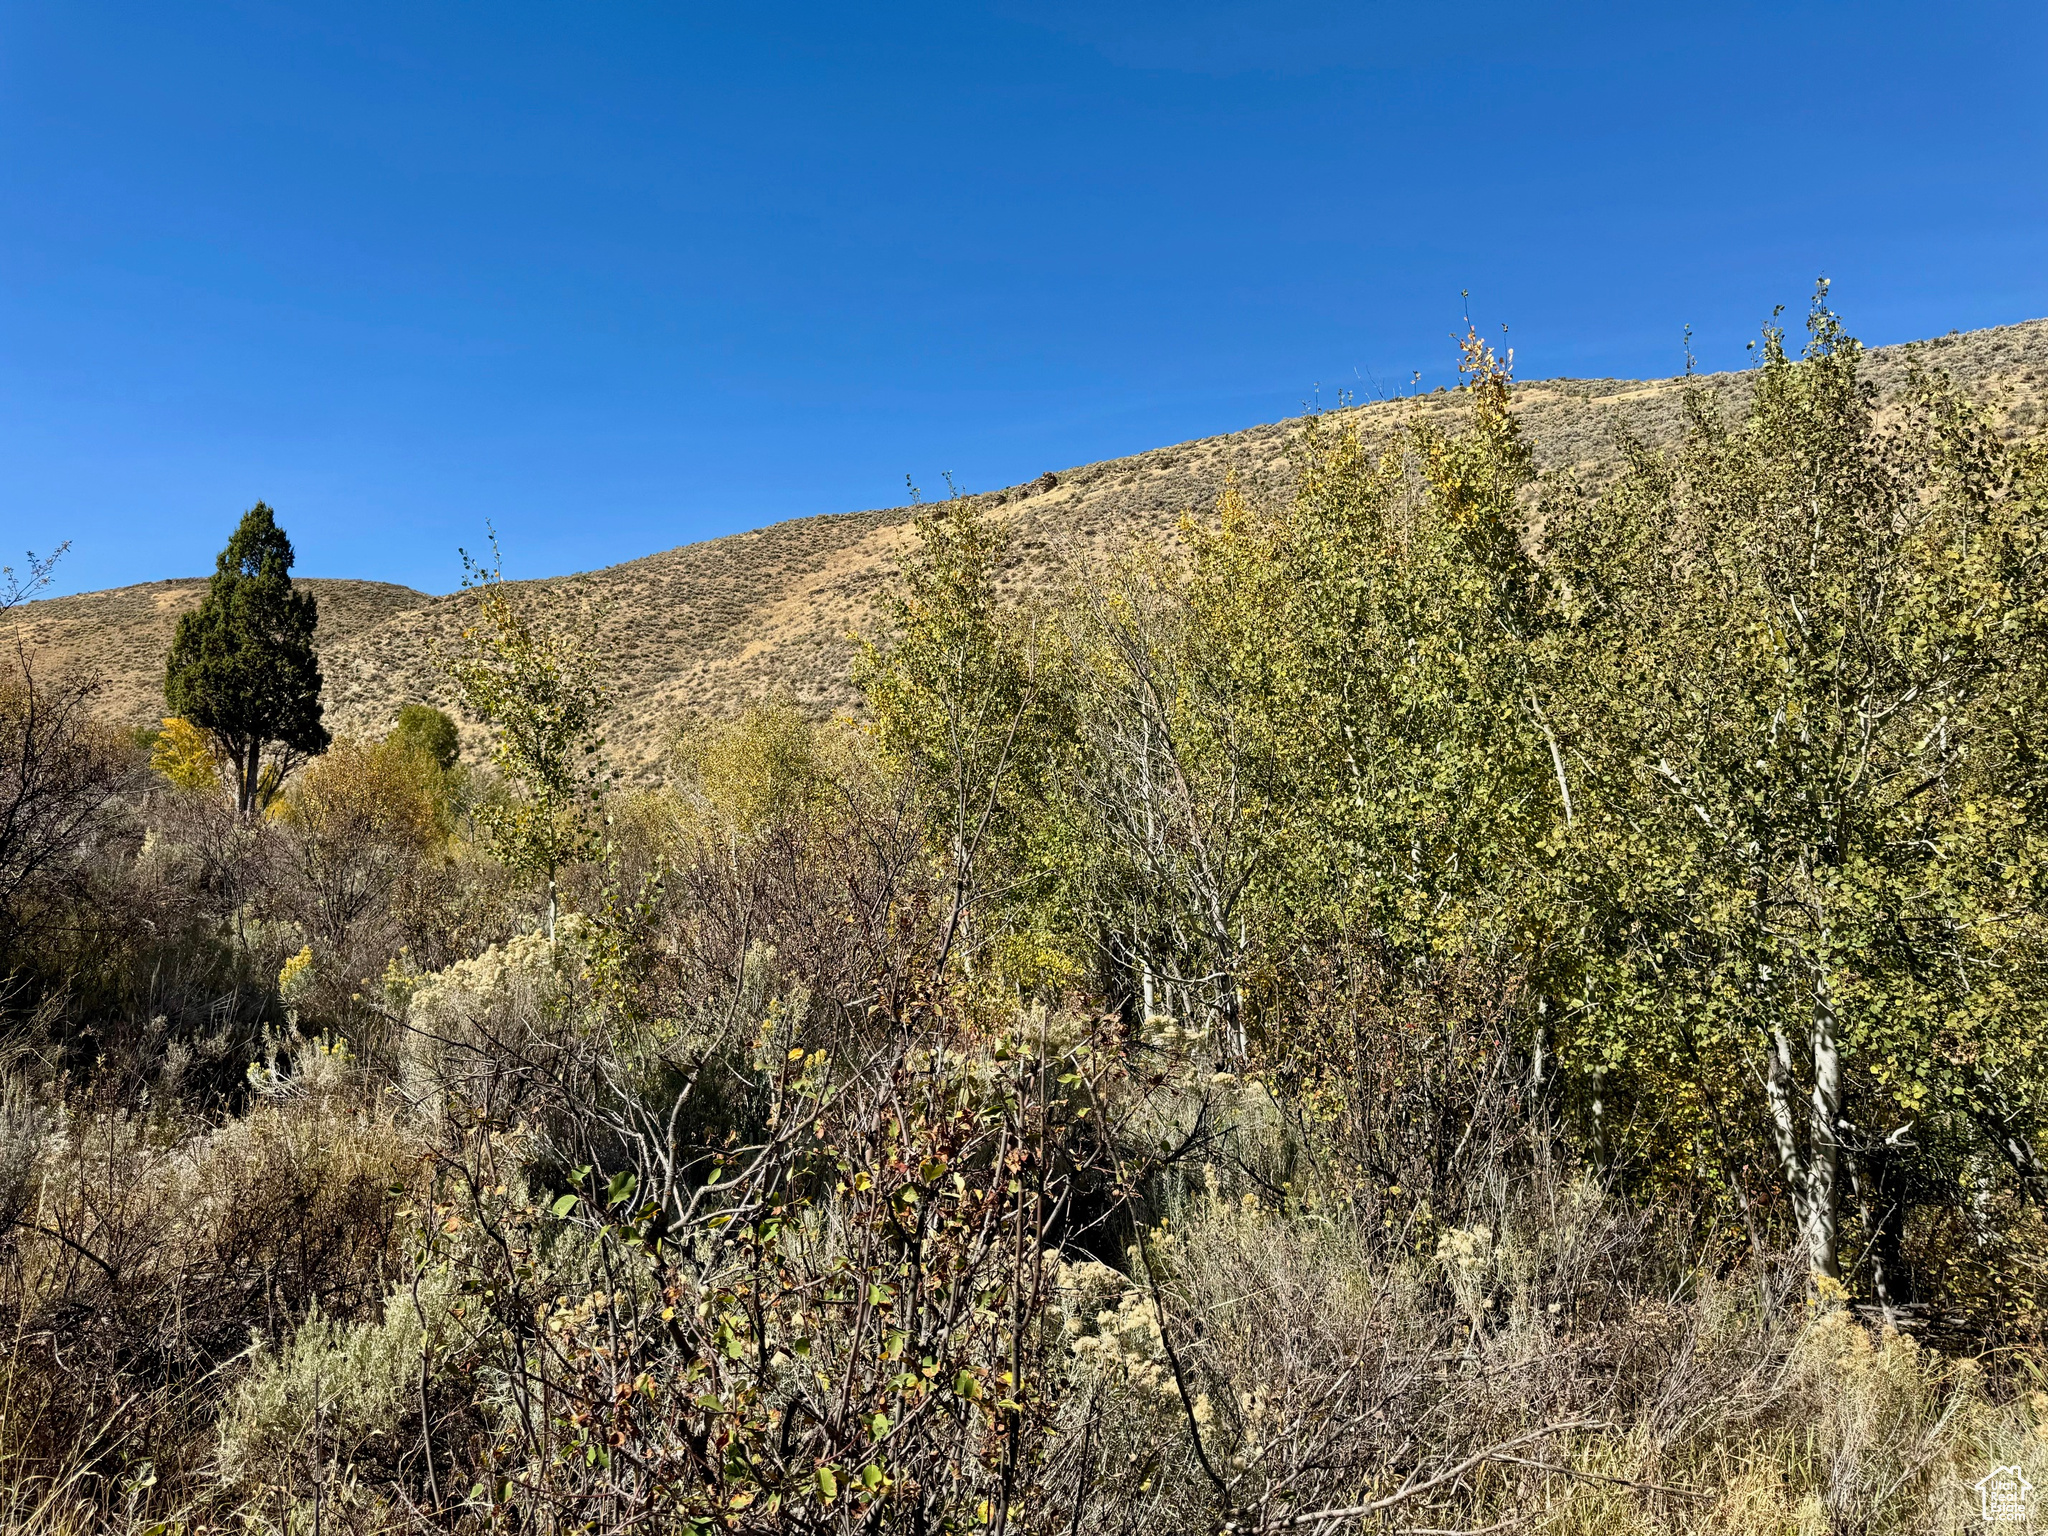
148	1250
119	637
1557	1369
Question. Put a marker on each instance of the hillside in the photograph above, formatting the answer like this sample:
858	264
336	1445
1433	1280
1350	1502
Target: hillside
120	636
707	627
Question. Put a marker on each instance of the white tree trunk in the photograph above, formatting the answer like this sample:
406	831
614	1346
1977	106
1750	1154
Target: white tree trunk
1823	1140
1812	1172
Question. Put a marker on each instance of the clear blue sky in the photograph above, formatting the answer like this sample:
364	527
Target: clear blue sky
619	276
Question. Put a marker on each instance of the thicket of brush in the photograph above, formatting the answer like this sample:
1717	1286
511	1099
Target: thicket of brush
1453	1003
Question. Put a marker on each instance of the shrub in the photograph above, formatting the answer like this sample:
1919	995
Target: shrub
60	773
337	1403
187	756
428	731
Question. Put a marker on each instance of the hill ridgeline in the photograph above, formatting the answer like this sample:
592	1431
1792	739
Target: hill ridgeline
707	628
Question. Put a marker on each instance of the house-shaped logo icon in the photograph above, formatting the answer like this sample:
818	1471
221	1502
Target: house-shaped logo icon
2002	1495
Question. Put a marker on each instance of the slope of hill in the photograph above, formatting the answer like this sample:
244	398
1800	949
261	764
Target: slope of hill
120	637
706	627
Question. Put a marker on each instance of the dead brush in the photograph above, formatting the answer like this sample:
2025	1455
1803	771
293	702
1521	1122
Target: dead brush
1557	1364
144	1250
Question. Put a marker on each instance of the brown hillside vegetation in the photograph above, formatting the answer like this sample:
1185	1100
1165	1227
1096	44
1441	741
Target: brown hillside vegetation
120	637
706	628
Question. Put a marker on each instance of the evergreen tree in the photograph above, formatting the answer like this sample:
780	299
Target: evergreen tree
242	666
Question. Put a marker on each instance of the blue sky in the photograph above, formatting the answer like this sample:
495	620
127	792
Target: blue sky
619	276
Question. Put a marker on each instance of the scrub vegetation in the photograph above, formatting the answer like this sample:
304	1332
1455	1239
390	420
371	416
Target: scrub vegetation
1455	991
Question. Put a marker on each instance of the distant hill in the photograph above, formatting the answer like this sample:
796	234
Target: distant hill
707	627
120	636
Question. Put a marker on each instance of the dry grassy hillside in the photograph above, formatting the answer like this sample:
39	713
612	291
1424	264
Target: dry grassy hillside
121	636
707	627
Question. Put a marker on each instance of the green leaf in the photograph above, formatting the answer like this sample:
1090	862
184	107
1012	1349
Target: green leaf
828	1485
564	1206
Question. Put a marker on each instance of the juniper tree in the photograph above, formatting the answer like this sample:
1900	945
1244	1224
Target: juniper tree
242	666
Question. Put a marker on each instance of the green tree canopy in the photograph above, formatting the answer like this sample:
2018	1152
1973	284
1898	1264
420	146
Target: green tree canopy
429	731
541	691
969	702
1730	770
1805	694
242	666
